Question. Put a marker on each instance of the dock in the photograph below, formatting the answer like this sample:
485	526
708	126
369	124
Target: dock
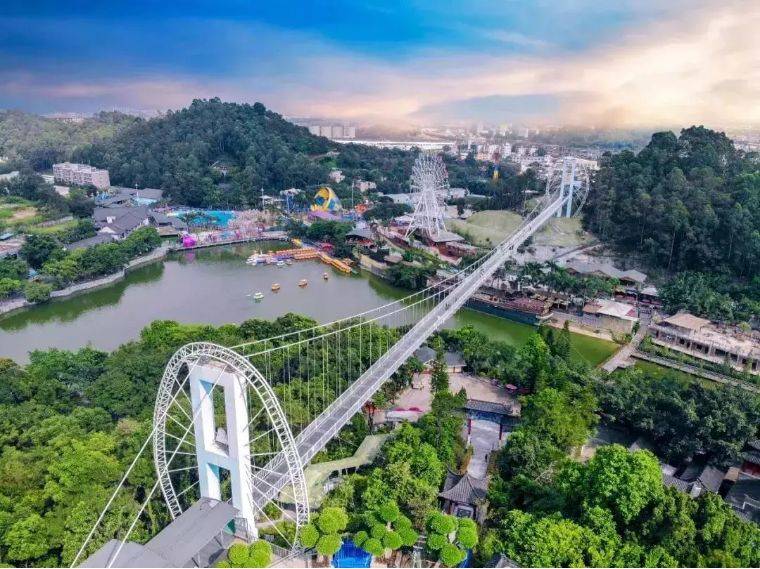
305	254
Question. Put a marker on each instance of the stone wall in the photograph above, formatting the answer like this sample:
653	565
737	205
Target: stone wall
157	255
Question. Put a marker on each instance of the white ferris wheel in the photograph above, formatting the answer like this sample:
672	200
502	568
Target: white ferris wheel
221	433
430	184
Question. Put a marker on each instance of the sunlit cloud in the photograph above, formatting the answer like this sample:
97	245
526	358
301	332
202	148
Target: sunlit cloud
699	64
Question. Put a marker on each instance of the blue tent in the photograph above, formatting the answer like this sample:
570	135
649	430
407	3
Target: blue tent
351	556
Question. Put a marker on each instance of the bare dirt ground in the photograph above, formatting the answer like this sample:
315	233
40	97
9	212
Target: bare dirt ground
475	387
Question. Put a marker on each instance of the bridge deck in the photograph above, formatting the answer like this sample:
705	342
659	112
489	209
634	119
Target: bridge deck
316	435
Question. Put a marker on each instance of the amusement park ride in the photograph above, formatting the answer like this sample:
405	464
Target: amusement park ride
233	427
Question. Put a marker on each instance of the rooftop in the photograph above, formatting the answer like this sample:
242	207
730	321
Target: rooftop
488	407
686	320
611	308
744	497
176	545
605	269
464	488
90	242
445	237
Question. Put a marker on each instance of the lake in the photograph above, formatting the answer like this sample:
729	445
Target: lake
212	286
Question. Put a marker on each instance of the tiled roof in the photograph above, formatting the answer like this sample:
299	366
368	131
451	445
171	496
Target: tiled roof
711	478
591	267
464	489
89	242
487	407
677	483
752	456
744	498
686	320
501	560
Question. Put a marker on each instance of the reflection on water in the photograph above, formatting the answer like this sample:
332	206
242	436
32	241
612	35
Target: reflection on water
68	309
215	286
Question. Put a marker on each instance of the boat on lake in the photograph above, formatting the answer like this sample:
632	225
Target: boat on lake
257	296
256	259
280	263
276	287
325	276
303	282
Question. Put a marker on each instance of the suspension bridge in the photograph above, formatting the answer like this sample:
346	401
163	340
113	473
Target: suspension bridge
234	426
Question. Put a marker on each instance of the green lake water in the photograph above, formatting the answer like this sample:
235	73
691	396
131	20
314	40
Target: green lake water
212	286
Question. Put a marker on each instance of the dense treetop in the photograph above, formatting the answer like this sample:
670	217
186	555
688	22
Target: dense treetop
43	141
690	202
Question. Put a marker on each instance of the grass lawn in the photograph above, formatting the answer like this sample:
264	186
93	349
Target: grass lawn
15	212
489	227
658	372
591	350
53	229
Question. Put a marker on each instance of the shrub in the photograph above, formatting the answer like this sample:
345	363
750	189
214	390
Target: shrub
260	554
389	511
37	292
329	544
441	523
451	555
9	287
373	547
378	531
408	536
436	541
467	535
238	554
360	537
309	536
392	540
332	520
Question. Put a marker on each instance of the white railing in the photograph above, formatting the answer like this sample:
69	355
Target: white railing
316	435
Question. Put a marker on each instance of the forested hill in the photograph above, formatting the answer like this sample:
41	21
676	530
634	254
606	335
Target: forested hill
42	141
690	202
215	153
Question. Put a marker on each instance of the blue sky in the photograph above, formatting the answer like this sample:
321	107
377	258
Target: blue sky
415	61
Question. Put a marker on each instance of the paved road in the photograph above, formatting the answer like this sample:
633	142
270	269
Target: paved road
484	439
623	354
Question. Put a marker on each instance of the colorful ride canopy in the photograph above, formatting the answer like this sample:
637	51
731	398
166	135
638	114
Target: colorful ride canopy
326	200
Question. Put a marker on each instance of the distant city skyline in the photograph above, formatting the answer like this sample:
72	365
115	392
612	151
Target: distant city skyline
630	64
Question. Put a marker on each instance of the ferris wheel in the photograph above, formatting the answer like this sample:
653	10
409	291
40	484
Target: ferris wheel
221	433
571	178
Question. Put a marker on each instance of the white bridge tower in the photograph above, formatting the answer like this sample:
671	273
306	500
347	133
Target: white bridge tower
571	180
225	447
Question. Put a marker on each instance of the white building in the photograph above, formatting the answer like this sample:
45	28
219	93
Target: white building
81	175
333	131
337	176
365	186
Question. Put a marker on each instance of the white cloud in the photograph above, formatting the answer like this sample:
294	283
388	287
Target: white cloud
697	65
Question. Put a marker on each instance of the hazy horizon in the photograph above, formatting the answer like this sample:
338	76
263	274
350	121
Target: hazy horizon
631	65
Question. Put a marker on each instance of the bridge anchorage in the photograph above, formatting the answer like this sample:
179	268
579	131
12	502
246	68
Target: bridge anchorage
234	426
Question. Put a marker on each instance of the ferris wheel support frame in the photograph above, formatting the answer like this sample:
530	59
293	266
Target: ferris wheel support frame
236	374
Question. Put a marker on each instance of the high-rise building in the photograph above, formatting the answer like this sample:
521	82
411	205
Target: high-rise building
81	175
